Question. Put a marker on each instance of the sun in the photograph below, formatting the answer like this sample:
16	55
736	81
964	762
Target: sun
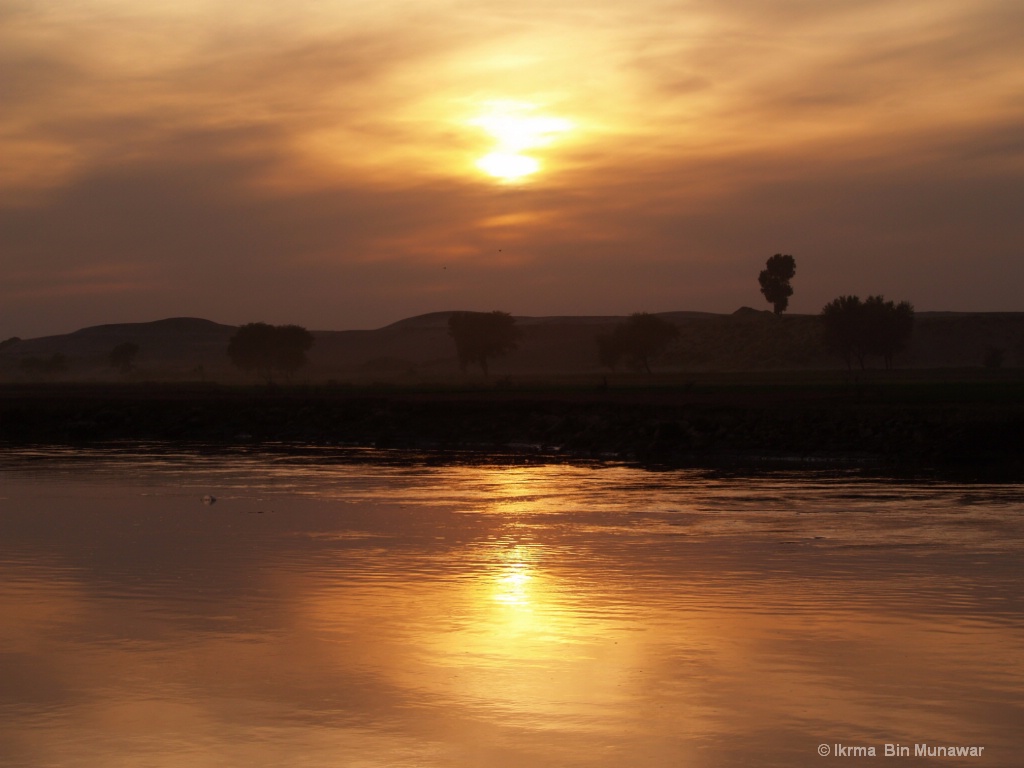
516	130
508	165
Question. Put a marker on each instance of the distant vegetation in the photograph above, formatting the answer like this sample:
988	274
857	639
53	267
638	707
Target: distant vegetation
268	349
856	329
122	357
481	336
54	365
774	280
637	341
848	332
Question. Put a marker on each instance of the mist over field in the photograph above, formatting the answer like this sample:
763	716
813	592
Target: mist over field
420	349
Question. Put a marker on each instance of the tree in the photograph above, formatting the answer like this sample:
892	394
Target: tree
267	348
480	336
123	356
841	321
774	280
856	329
887	327
639	339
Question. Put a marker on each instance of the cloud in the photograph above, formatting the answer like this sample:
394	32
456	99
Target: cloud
322	162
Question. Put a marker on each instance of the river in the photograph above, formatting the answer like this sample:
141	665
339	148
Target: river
163	607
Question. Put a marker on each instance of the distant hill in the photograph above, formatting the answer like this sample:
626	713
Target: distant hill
175	348
172	326
419	349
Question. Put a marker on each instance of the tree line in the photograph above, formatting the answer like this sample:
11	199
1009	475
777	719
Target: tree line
853	329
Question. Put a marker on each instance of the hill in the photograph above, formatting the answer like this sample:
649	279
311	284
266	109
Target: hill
175	348
419	349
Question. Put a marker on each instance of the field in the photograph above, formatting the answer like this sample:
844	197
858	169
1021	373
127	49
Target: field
968	422
742	389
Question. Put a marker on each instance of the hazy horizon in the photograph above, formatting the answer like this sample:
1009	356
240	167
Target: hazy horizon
345	166
446	311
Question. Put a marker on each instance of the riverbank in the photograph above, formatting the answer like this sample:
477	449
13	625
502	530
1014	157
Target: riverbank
972	428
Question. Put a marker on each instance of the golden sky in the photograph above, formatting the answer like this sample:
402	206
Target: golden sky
345	165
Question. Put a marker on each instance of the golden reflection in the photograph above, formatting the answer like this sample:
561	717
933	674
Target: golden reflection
511	587
490	633
517	491
514	587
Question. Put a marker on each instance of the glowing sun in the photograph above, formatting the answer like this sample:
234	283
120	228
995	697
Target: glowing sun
507	165
516	130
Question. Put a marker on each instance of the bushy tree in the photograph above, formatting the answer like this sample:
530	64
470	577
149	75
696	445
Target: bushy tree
888	327
855	329
841	319
266	349
638	340
123	356
774	280
481	336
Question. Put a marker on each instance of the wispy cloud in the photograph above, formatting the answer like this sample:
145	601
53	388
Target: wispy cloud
322	157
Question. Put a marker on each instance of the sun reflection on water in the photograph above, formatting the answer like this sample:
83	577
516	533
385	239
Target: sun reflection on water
513	587
496	616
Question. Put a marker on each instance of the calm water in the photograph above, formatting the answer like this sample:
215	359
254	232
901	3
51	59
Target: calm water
330	613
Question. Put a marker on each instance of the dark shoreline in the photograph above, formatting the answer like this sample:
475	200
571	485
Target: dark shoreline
972	430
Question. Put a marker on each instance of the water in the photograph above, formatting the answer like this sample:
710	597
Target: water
330	612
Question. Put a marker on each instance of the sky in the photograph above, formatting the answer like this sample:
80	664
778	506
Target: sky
348	164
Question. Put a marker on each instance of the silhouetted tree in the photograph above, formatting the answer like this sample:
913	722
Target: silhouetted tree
9	342
774	280
887	327
638	340
267	348
123	356
856	329
480	336
842	323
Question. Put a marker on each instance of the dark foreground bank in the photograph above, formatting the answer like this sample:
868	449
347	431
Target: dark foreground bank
973	429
